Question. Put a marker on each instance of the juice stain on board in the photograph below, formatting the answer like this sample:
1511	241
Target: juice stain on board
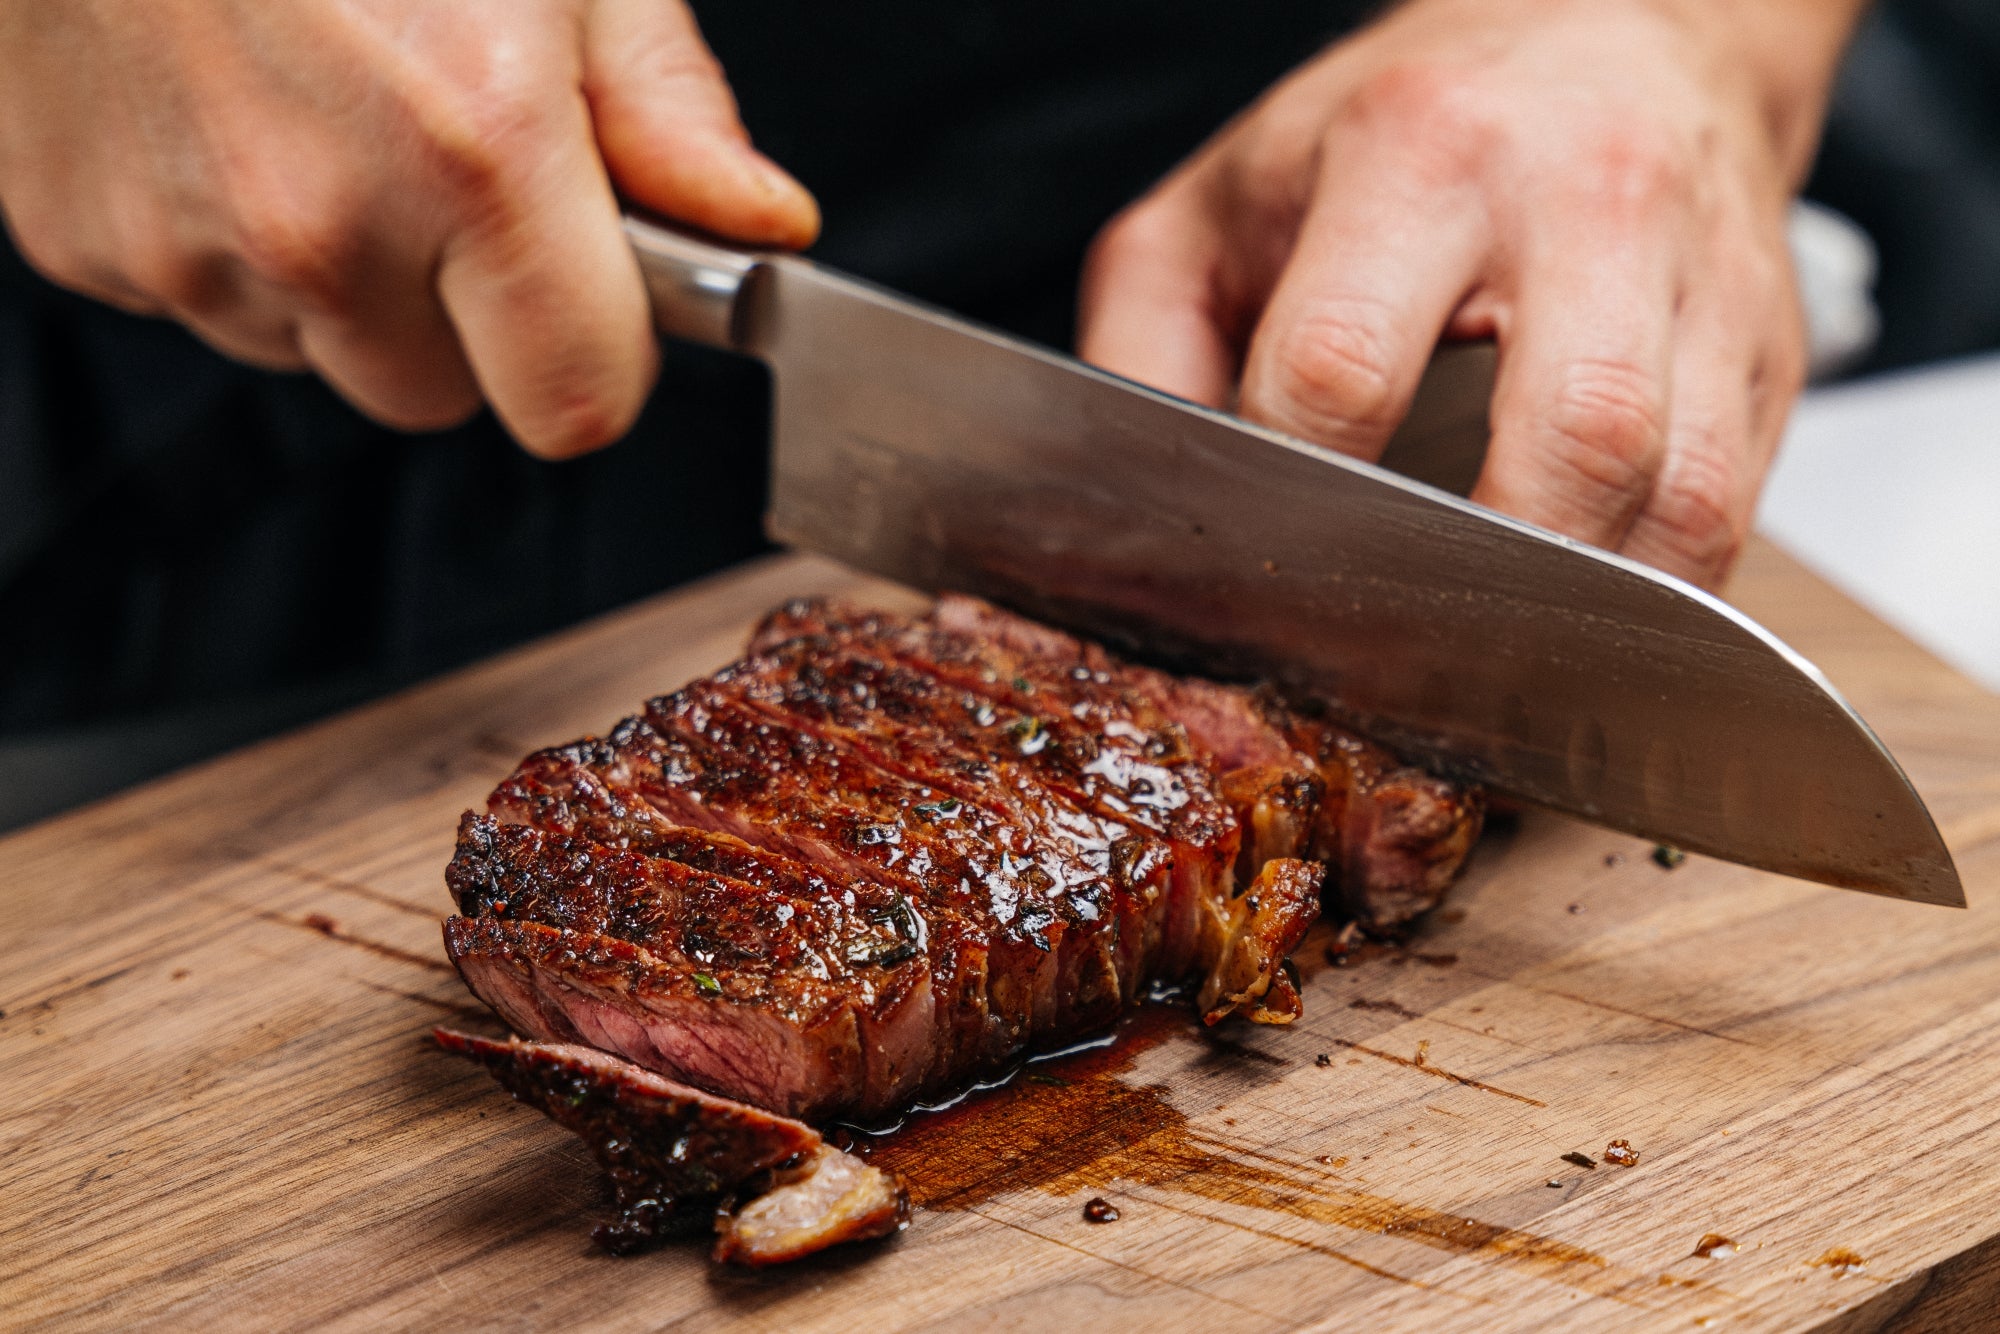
1075	1125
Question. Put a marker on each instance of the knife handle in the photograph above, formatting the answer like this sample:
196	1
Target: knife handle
694	284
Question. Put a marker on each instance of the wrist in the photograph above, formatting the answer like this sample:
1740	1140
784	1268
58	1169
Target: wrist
1784	54
1773	61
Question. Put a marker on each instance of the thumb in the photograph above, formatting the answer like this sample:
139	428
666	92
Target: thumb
667	126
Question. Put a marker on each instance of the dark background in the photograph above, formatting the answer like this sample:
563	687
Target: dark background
193	554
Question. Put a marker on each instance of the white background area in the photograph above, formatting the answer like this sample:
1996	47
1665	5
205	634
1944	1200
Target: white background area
1889	488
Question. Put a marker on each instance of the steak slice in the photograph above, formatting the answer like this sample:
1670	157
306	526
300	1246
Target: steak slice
1392	836
598	789
957	864
667	1147
775	992
990	902
1250	936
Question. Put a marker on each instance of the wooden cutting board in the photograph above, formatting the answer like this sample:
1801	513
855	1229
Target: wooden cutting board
219	1109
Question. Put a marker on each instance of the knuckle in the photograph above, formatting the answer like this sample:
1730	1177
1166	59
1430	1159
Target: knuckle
687	64
294	227
301	251
1425	93
170	275
1634	170
1335	371
484	137
1435	112
1135	236
49	254
157	263
1607	424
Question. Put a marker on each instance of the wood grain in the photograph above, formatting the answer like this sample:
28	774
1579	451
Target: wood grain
220	1111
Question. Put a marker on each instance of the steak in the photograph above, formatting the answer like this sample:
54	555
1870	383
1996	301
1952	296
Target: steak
881	856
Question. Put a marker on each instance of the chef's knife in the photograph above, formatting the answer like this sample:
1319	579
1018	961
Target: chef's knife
918	446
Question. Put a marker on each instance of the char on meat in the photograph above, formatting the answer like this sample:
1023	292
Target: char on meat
882	855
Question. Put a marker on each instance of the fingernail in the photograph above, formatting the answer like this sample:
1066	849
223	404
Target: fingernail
790	200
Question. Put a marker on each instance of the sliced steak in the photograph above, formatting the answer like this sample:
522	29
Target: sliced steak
1394	837
1075	729
1099	748
883	855
994	903
619	791
978	753
671	1151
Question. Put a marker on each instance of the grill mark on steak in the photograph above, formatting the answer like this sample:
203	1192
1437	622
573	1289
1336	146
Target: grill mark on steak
1021	894
912	725
625	790
1106	746
781	789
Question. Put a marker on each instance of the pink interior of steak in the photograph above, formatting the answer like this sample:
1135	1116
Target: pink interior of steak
882	855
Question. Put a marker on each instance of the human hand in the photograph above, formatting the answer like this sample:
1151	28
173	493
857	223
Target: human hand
1599	185
414	198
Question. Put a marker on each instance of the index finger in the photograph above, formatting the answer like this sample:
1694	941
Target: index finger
1394	237
546	295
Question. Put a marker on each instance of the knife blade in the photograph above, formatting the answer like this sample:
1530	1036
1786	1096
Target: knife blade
912	444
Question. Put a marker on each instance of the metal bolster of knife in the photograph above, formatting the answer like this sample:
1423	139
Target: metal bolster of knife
694	284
